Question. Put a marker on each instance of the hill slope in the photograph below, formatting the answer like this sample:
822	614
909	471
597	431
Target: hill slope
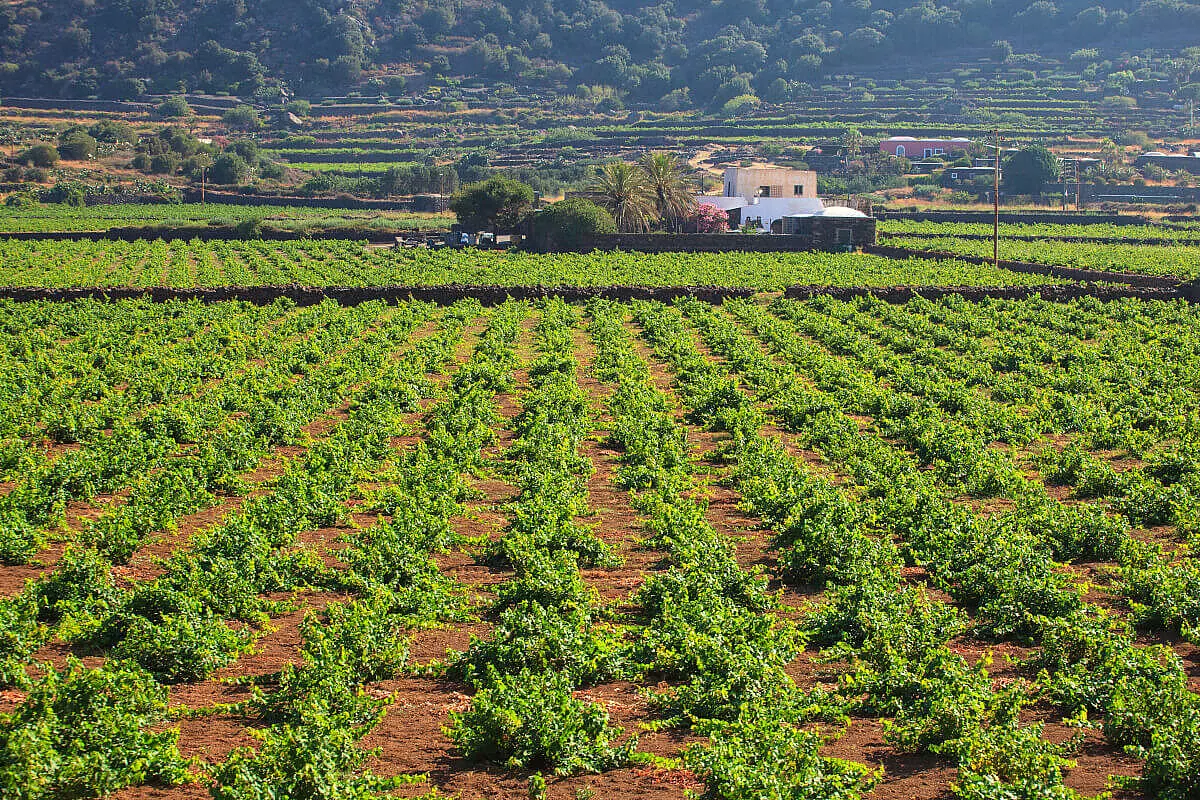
717	49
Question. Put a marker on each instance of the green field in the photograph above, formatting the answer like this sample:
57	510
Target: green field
608	548
1175	232
46	218
1181	261
347	263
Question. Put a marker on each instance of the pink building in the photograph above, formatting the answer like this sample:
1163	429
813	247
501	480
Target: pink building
910	147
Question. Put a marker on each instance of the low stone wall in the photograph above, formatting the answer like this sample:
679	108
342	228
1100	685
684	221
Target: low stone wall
697	243
987	237
903	294
203	233
494	295
58	104
353	295
1017	217
821	237
416	203
1123	192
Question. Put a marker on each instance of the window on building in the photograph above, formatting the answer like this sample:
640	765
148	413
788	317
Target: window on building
899	149
764	191
928	152
843	236
798	189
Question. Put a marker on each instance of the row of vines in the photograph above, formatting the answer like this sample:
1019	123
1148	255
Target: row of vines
931	485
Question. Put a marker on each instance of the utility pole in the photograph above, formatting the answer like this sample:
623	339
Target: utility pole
996	206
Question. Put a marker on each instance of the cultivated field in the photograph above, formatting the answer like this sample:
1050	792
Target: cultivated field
813	549
198	263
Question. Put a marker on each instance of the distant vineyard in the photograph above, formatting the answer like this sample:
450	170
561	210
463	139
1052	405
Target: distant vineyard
1165	233
346	263
1165	260
53	217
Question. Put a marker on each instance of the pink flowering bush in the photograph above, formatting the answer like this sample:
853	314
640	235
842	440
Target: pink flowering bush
707	219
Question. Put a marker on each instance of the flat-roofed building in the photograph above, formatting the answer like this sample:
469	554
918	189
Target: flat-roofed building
775	182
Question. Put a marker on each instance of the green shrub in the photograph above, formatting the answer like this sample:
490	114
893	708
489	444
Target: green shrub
20	636
764	755
40	155
182	647
569	225
1009	762
1172	770
83	733
77	145
312	761
544	640
528	721
173	107
361	633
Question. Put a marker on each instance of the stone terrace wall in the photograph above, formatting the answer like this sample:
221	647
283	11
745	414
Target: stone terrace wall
822	238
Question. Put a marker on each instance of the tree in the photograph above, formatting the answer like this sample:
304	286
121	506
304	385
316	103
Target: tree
174	107
113	132
852	141
247	149
1029	169
624	194
229	168
40	155
242	118
77	145
67	194
21	200
164	164
665	182
496	204
569	225
197	168
742	104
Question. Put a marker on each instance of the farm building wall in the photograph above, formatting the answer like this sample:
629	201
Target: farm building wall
832	233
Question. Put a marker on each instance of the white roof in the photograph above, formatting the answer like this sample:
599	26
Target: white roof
773	207
841	211
926	139
723	203
832	211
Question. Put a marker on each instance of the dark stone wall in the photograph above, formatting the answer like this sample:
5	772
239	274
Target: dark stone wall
1017	217
186	233
416	203
352	295
819	235
696	243
822	232
987	237
902	294
493	295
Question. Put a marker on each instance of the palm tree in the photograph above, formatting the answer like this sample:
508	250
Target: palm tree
664	179
622	190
